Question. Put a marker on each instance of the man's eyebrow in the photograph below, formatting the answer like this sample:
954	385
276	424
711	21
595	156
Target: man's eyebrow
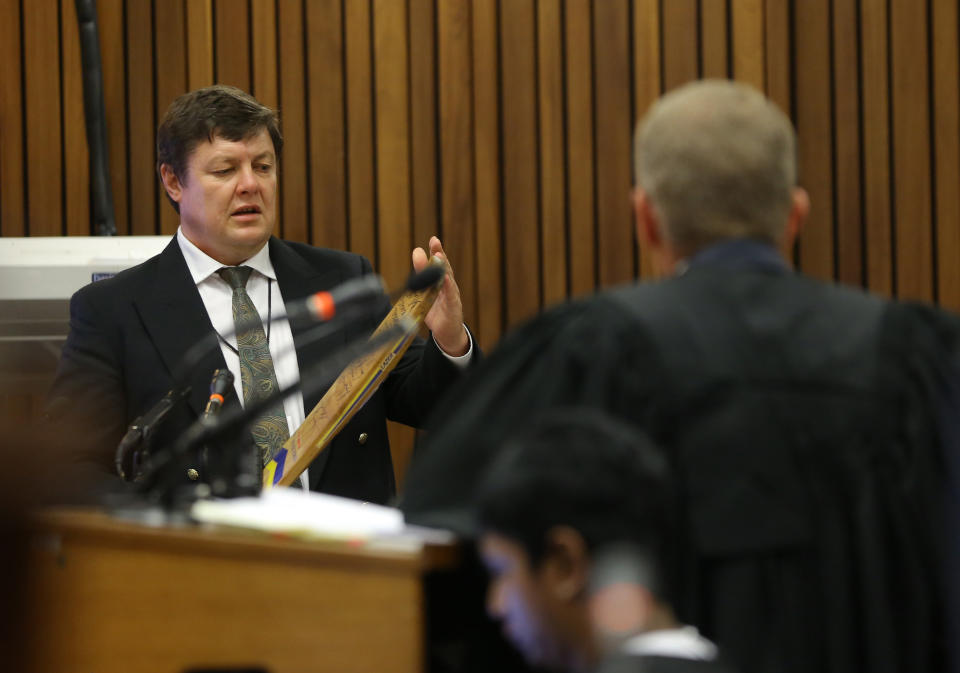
230	158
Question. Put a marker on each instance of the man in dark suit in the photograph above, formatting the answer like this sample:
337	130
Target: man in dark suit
577	520
218	156
811	426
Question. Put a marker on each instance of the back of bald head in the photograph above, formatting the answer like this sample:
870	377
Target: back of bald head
717	160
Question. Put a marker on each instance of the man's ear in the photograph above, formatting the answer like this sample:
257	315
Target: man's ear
171	182
648	226
799	210
566	564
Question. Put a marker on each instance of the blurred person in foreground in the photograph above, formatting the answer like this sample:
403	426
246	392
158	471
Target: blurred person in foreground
577	521
812	427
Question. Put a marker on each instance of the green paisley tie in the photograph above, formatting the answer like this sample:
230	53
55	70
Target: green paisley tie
270	430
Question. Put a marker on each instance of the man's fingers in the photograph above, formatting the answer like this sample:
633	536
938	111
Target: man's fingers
419	258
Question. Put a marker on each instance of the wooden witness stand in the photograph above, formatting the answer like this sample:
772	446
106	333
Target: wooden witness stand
110	595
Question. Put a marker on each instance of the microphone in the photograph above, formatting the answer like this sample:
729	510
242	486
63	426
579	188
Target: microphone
221	382
323	305
432	275
219	385
316	379
141	430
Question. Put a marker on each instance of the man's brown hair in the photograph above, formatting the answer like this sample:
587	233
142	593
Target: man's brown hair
203	114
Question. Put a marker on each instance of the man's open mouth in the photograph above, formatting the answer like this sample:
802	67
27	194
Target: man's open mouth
246	210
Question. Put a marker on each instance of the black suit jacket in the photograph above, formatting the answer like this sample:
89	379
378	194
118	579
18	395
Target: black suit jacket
129	333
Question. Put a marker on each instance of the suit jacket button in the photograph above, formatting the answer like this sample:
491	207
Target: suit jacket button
362	439
193	474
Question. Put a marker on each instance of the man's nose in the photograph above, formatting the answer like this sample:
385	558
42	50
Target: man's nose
495	600
247	180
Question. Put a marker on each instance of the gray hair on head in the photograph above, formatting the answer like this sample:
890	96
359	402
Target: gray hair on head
717	160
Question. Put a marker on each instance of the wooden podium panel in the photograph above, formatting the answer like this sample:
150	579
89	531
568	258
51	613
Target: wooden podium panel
109	595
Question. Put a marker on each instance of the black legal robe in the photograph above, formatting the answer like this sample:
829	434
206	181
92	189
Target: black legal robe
805	423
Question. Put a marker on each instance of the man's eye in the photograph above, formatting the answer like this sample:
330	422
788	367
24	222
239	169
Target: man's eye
222	171
264	168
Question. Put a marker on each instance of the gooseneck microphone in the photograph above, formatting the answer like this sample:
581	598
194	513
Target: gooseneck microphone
324	305
317	378
219	385
350	300
140	431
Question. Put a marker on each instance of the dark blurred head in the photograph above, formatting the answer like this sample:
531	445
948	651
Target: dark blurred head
578	481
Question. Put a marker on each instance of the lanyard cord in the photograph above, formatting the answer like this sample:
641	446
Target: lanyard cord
269	321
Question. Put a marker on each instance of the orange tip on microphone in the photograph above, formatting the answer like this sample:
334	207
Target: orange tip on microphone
323	305
216	396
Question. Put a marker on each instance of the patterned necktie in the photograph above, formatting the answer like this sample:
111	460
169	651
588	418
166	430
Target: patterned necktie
270	430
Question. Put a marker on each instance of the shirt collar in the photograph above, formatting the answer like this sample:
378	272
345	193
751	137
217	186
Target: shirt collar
738	252
684	642
202	265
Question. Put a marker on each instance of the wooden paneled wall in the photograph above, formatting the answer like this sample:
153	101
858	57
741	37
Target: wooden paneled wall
504	125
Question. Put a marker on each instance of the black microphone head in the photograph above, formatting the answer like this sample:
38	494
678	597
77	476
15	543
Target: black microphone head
221	382
430	276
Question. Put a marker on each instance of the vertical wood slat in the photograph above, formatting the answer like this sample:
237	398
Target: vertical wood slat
814	132
748	42
423	165
199	43
456	148
911	150
76	157
12	203
487	172
394	161
777	55
142	124
553	236
41	59
714	47
647	84
520	179
679	38
876	147
328	226
111	30
294	170
171	72
232	42
361	162
391	76
263	35
580	189
424	132
946	145
846	105
615	240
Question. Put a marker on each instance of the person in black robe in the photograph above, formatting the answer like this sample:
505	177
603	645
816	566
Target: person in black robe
812	428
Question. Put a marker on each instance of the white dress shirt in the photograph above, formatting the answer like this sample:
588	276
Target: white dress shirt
217	297
683	642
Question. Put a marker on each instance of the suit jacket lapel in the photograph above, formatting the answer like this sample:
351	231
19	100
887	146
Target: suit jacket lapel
175	320
297	280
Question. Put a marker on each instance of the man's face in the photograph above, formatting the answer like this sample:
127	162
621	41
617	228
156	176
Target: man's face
228	196
519	597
